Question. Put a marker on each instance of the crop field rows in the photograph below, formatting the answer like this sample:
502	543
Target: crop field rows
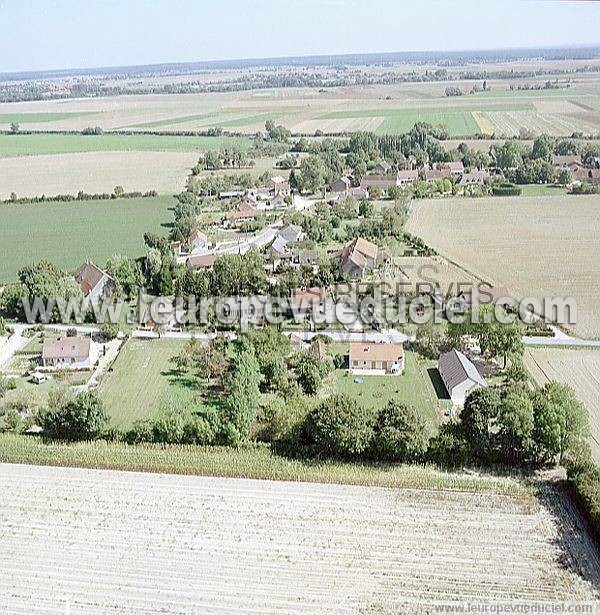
98	541
509	123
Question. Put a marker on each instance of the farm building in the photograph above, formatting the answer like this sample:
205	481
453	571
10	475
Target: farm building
69	353
433	175
244	212
95	284
360	256
376	359
459	376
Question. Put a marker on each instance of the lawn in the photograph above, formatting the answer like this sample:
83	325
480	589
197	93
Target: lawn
142	381
68	233
418	386
45	143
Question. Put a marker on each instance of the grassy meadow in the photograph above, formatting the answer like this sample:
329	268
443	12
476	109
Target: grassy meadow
68	233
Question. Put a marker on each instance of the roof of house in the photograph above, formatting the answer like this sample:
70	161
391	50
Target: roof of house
88	276
381	181
199	235
410	175
358	192
291	232
373	351
243	210
344	180
67	348
383	165
201	261
456	165
474	177
565	161
434	174
455	369
279	245
357	252
303	297
278	179
305	256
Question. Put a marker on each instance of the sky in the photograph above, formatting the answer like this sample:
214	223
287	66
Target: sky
57	34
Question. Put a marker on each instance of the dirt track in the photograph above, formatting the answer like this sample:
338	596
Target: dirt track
114	542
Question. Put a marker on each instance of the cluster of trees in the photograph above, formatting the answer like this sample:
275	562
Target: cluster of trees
229	158
514	425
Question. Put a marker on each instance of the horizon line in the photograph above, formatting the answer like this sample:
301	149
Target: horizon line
265	60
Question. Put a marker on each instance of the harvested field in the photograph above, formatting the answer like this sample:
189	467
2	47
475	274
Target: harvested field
98	541
580	369
95	172
91	229
536	246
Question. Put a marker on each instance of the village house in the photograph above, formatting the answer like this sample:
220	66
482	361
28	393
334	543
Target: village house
319	349
586	176
198	241
407	177
361	256
198	262
278	186
292	233
304	302
376	359
567	161
474	178
434	175
94	283
304	257
383	182
244	212
341	184
278	252
75	353
357	193
382	168
160	313
459	376
456	167
297	343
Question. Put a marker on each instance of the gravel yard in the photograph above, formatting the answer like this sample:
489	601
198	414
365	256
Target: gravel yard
104	541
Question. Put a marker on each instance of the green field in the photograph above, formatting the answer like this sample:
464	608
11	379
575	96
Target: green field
25	118
46	143
142	381
458	120
69	233
418	386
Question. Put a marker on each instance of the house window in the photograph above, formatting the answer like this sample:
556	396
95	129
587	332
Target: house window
378	364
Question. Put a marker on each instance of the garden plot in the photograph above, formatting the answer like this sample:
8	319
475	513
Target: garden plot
95	541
